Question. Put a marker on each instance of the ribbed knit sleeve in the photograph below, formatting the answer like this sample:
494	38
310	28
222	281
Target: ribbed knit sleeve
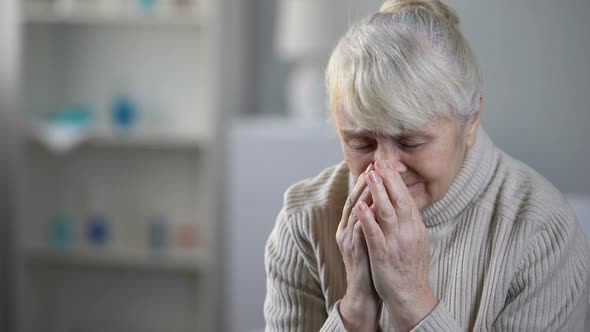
550	289
294	300
439	320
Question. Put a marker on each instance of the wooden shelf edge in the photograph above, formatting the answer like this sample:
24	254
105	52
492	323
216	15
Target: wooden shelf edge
115	259
141	140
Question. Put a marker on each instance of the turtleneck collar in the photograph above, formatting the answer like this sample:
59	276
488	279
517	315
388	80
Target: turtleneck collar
476	172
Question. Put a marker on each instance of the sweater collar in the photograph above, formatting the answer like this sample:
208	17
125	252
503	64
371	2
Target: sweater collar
476	172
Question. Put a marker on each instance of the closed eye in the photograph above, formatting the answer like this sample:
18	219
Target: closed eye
411	142
360	144
410	146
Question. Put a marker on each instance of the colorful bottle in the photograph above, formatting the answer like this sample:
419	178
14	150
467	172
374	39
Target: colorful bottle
147	5
97	231
124	113
61	232
158	234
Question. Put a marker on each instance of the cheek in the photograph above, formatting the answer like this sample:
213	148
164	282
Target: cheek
434	171
357	162
423	168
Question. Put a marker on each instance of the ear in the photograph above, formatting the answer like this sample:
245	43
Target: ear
480	102
472	127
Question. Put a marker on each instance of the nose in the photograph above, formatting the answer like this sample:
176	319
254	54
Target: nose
392	154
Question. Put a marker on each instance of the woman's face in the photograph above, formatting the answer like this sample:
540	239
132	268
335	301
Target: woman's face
428	159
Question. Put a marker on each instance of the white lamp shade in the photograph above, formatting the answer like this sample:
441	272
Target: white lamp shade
308	29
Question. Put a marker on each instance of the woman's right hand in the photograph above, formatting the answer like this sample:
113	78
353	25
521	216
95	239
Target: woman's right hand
361	305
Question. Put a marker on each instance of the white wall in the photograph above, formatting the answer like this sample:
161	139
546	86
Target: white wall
534	57
265	158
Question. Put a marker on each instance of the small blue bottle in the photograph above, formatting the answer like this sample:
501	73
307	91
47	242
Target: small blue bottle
61	233
147	5
124	113
158	236
98	230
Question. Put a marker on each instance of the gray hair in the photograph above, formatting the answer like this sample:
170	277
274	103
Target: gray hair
404	66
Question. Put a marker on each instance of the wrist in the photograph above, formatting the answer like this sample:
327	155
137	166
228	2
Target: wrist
359	313
408	313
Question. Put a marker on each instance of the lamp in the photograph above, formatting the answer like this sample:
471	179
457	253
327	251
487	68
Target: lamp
307	30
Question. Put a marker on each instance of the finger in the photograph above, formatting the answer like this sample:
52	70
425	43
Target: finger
400	196
363	197
366	196
382	208
358	240
352	220
360	190
374	236
400	167
353	197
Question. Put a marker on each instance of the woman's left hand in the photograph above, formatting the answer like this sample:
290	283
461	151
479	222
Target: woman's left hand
399	249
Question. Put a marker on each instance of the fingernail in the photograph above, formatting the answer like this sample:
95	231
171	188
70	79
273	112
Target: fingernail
388	164
368	169
354	213
361	206
379	164
373	177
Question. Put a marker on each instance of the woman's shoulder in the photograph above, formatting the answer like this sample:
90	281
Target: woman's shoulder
524	196
328	188
530	217
312	209
544	230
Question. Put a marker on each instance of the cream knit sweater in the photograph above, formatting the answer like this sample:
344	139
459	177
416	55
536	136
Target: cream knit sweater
507	252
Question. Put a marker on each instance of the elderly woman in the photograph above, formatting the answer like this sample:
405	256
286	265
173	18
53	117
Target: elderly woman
427	226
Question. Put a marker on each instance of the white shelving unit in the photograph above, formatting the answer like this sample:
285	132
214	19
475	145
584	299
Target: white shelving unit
90	52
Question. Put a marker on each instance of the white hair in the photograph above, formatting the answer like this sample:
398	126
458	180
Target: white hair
404	66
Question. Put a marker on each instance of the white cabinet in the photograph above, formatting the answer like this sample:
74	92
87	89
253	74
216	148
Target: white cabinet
116	201
265	157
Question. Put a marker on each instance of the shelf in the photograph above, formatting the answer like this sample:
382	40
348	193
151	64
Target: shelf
145	140
63	141
46	14
115	259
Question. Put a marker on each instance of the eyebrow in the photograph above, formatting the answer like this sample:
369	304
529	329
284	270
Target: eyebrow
356	132
352	133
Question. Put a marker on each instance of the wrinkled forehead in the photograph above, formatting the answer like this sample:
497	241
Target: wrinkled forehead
346	122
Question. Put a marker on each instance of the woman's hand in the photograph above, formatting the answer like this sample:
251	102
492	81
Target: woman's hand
360	306
398	247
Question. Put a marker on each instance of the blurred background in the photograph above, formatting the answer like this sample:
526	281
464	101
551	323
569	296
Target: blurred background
145	145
